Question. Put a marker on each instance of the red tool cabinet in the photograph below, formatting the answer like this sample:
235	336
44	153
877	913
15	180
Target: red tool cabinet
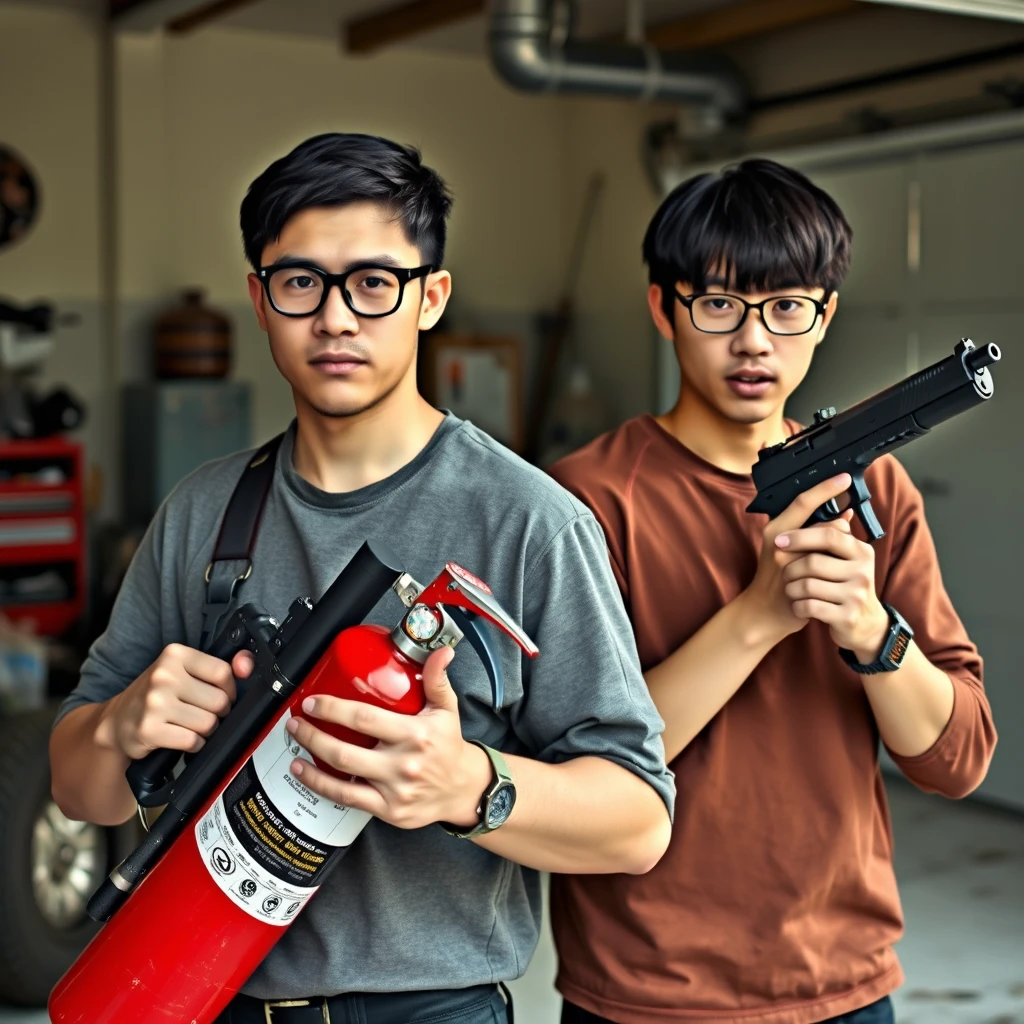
42	533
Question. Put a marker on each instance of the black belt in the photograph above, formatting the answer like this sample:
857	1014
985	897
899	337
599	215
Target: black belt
371	1007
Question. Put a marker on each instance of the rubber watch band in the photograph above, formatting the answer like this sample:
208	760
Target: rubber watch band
894	650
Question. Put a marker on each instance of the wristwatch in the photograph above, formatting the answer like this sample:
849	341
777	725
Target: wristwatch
496	803
890	657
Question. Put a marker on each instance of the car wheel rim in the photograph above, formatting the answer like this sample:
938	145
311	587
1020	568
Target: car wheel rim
68	863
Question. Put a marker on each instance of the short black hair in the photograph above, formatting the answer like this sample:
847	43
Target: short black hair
764	226
340	168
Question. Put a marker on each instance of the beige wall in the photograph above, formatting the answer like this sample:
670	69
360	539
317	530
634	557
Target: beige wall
200	117
49	78
614	337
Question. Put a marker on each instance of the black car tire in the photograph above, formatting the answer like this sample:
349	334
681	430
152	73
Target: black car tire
38	943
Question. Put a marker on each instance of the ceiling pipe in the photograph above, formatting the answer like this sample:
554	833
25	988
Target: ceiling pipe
531	50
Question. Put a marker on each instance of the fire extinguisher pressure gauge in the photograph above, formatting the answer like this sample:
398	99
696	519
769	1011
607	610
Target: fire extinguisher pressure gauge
422	624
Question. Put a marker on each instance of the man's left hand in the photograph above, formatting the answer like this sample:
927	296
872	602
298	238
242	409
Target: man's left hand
421	770
831	577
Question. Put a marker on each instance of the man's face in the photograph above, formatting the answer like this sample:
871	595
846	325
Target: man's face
744	376
340	364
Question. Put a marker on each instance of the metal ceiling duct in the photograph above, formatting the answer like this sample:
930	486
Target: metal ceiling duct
531	49
1007	10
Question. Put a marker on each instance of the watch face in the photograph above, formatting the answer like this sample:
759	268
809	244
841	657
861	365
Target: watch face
500	806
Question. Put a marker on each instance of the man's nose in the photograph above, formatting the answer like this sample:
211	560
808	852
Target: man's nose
753	338
335	317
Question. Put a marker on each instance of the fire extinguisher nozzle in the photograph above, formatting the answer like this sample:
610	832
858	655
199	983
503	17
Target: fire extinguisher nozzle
106	901
121	882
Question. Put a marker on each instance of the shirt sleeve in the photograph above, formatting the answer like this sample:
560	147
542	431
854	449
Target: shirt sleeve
958	760
139	626
586	694
609	513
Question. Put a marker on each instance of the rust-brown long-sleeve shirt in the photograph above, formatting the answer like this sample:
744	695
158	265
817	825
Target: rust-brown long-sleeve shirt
776	902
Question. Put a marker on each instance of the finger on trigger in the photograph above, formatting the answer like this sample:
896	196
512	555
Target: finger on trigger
802	507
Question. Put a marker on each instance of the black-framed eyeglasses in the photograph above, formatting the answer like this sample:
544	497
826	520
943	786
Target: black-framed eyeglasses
717	313
295	288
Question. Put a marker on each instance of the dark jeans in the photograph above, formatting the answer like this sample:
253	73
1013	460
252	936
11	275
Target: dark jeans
483	1004
876	1013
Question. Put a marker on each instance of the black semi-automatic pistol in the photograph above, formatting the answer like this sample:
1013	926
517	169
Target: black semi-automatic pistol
848	442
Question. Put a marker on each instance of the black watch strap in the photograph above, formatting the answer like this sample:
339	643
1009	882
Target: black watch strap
894	650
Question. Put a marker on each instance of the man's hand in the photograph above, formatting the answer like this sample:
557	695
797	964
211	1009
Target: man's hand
767	599
421	769
830	576
176	703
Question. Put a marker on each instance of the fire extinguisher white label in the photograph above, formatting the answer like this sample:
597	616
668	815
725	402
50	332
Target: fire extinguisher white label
320	819
268	839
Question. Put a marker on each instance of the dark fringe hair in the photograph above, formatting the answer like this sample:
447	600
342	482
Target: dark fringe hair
340	168
757	224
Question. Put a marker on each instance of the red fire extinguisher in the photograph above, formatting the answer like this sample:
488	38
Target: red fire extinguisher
198	925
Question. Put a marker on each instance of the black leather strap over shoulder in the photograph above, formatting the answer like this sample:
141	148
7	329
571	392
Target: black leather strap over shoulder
237	538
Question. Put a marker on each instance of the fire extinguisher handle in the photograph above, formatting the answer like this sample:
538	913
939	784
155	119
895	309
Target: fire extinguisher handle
474	630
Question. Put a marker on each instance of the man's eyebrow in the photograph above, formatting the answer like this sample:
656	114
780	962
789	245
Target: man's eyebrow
383	260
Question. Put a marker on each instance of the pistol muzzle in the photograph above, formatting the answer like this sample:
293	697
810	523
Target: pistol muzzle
979	358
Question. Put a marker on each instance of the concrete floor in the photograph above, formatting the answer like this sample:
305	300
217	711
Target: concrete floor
961	872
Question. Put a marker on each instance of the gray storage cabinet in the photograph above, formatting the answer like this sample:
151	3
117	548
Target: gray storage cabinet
172	428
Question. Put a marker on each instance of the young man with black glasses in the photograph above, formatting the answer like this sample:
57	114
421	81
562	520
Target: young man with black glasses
776	902
346	238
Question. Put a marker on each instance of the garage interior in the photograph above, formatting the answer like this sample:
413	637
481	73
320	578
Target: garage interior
129	130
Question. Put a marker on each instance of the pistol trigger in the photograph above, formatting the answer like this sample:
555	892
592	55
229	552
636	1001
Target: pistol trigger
866	514
825	513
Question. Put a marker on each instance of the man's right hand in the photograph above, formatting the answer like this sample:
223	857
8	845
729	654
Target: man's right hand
766	598
176	703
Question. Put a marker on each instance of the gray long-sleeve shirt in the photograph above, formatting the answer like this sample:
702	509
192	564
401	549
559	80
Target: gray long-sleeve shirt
415	909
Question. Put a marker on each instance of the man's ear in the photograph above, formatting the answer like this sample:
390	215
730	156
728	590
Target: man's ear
830	311
665	326
256	295
437	289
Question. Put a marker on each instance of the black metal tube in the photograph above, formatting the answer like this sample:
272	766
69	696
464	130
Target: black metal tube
349	599
118	886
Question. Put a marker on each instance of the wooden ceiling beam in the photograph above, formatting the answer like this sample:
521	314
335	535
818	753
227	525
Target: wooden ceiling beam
743	20
375	31
176	16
